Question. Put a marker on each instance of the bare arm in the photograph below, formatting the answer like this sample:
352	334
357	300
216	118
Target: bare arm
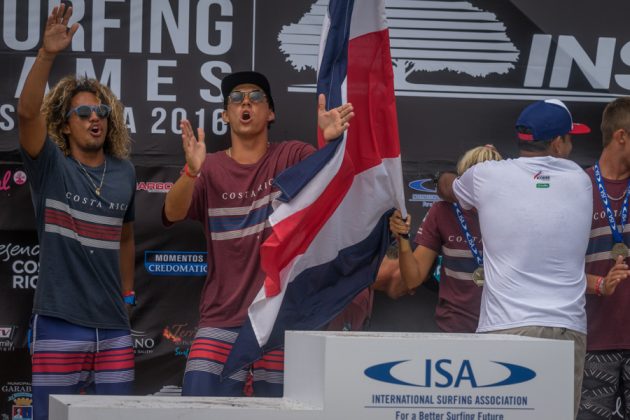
445	187
179	198
414	265
32	124
388	279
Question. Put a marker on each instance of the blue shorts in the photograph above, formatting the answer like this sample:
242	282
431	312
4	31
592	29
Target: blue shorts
71	359
208	354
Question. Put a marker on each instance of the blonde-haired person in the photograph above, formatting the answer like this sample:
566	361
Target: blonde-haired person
441	233
74	145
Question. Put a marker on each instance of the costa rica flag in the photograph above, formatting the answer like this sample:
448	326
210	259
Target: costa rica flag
330	229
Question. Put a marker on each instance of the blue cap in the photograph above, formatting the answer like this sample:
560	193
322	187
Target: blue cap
546	120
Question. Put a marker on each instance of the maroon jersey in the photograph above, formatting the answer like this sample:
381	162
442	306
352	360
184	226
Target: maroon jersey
459	297
233	202
607	316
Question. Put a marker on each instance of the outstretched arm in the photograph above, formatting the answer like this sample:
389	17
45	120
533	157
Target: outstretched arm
179	198
414	265
334	122
32	124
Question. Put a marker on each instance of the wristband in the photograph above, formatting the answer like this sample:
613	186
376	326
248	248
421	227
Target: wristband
130	298
598	286
188	174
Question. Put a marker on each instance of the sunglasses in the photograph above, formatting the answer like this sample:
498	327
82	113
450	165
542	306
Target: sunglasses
254	96
85	111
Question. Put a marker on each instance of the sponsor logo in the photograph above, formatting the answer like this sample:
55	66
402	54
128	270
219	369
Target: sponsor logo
472	47
6	338
542	181
426	195
540	177
154	186
142	342
447	373
20	399
176	263
19	177
24	263
182	336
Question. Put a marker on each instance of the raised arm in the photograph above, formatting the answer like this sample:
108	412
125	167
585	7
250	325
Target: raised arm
179	198
415	265
31	122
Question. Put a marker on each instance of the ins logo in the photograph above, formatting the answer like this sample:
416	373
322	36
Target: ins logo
444	373
461	38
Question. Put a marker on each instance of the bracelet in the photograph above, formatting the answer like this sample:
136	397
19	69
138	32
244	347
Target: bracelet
130	297
188	174
598	286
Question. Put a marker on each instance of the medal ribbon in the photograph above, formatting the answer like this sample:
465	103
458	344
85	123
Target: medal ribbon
617	236
469	238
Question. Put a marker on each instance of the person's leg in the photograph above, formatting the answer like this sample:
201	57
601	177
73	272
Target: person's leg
268	374
113	362
558	333
625	378
579	354
63	356
600	385
208	354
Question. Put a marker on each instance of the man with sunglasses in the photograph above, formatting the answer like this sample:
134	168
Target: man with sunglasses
75	144
230	192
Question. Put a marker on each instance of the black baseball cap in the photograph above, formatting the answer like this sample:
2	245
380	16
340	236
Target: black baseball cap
230	81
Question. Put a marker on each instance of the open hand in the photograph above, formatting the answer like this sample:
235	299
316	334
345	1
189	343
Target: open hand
194	150
57	35
334	122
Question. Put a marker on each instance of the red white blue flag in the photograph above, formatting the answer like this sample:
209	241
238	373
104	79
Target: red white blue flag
330	231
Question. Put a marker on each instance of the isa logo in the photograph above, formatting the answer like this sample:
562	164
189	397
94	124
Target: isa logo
447	373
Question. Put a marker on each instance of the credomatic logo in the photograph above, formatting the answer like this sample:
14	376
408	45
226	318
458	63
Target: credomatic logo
472	44
449	373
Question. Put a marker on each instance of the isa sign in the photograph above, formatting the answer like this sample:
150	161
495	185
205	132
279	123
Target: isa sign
432	376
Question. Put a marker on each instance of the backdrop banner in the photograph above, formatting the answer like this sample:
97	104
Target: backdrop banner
463	72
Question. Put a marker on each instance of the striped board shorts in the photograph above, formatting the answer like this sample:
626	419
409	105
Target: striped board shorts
208	354
71	359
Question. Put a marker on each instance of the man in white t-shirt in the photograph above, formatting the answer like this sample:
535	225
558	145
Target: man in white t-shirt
535	217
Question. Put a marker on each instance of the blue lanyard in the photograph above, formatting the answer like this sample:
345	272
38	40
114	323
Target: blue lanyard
617	237
469	238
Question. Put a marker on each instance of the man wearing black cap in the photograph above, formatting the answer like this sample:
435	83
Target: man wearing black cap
230	192
607	364
534	216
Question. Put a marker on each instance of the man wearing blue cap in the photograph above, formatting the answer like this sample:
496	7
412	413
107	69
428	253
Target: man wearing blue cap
534	216
607	364
231	192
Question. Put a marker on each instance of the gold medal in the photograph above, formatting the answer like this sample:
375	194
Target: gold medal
478	277
619	249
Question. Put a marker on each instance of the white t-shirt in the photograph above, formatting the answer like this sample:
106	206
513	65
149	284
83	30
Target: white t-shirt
535	219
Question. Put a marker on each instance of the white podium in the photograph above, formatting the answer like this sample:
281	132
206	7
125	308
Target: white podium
389	376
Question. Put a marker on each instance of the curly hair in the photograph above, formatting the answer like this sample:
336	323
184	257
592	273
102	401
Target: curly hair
57	104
